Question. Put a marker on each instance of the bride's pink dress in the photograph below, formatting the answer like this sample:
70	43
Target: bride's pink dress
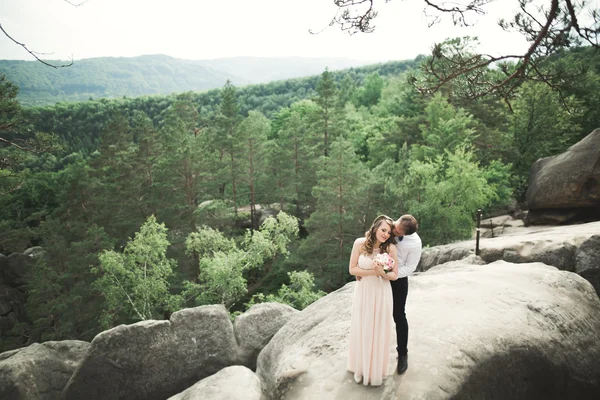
371	327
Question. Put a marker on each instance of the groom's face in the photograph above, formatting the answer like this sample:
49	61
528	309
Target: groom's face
398	230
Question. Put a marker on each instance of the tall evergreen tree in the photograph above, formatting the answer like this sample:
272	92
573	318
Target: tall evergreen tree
113	185
252	139
148	153
446	129
326	99
226	142
341	194
184	165
60	303
294	154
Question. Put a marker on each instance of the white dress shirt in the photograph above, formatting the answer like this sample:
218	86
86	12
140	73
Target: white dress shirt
409	254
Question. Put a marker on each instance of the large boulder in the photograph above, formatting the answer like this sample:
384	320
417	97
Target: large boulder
254	328
498	331
499	226
39	371
566	186
309	345
436	255
558	246
13	267
156	359
231	383
35	252
3	260
262	213
587	261
12	308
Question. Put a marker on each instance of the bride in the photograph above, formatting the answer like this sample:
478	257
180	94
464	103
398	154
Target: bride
372	306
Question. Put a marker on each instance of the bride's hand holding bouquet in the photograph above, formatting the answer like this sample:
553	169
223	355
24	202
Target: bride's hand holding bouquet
385	261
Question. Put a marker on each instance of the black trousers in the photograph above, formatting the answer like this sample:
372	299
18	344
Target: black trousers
400	292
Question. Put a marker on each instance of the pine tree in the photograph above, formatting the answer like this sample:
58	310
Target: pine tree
293	159
252	140
225	140
339	217
184	164
326	99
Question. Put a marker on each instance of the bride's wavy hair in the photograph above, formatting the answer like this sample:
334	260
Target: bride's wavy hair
367	247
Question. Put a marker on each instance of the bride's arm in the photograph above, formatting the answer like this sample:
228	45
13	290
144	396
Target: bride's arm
393	274
353	268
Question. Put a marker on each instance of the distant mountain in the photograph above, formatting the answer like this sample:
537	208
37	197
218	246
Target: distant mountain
110	77
263	69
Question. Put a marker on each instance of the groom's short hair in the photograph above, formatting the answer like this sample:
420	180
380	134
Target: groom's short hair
409	224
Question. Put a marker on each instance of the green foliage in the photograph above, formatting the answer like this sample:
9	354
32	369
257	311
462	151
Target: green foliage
224	268
134	283
211	159
206	242
60	303
17	146
292	158
370	93
445	129
217	214
300	293
444	193
111	78
339	216
252	142
327	101
541	127
499	177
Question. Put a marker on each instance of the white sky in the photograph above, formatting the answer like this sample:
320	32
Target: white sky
206	29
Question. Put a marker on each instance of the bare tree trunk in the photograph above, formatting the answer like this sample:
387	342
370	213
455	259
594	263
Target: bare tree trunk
252	196
326	131
233	186
297	178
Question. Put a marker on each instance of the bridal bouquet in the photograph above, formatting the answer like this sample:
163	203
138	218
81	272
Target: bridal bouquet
386	261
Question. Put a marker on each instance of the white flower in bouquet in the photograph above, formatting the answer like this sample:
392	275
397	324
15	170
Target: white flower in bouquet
386	261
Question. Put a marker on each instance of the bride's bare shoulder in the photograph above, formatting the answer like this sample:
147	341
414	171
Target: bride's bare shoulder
360	240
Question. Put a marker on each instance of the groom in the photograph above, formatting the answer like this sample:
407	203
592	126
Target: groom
408	245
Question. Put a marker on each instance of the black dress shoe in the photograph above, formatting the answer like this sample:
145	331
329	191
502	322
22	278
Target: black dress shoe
402	364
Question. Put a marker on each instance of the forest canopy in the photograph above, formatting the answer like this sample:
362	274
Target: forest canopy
143	206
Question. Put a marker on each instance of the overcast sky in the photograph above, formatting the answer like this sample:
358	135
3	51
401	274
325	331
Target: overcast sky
207	29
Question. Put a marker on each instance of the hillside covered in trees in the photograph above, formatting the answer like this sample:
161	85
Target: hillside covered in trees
148	205
118	77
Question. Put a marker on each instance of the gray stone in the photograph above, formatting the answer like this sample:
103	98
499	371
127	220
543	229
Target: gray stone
428	259
437	255
254	328
3	261
498	226
471	259
497	331
552	216
156	359
12	269
587	261
265	213
39	371
569	181
231	383
35	252
12	308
